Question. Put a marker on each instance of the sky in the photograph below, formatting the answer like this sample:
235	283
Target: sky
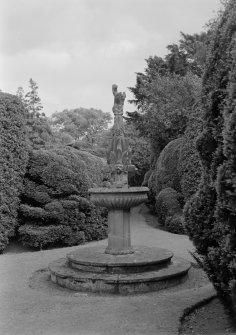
76	49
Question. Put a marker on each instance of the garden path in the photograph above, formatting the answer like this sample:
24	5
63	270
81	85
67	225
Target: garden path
46	309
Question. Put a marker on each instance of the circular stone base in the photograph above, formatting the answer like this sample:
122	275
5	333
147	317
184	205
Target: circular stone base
95	259
148	269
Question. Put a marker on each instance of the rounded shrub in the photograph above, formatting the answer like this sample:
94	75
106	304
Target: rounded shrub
166	172
174	224
55	198
169	211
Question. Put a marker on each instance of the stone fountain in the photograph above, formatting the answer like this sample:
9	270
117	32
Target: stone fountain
120	267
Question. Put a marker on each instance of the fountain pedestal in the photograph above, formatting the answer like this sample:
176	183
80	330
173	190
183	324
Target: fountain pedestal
119	268
119	201
119	240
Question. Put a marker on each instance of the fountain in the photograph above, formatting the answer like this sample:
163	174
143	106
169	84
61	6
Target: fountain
119	198
119	268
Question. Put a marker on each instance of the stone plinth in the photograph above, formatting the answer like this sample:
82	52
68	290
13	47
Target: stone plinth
90	269
118	201
142	259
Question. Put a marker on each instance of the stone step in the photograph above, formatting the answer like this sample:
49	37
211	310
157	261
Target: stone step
174	273
143	259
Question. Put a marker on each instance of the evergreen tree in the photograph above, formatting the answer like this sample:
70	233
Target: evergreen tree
21	95
32	100
38	127
13	157
210	216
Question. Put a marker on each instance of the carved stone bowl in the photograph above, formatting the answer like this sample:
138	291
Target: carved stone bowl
118	198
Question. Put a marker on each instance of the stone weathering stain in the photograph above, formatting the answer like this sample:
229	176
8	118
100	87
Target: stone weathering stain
119	268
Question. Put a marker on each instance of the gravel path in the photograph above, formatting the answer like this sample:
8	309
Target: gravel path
32	305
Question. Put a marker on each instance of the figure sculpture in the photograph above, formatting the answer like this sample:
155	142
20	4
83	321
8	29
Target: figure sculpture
119	154
119	99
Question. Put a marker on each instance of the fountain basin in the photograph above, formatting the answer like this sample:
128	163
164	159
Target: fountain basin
118	198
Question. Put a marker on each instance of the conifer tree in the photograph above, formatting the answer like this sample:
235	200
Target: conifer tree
32	100
210	216
38	128
21	95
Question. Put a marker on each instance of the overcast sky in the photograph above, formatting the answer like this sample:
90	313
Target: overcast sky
76	49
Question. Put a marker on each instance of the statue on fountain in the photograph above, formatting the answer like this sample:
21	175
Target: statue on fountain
119	154
119	99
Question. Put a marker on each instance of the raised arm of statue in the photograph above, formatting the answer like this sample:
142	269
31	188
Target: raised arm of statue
119	99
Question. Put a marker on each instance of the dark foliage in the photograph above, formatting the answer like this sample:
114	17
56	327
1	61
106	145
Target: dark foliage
166	170
55	208
189	166
39	132
140	148
13	160
189	55
211	215
177	167
169	211
170	102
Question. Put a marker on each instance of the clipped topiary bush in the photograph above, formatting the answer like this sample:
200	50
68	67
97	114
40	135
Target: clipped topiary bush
178	166
54	207
39	236
13	160
169	211
166	172
210	216
175	224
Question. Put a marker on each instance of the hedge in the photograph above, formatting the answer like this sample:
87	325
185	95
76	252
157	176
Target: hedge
189	165
13	160
211	215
